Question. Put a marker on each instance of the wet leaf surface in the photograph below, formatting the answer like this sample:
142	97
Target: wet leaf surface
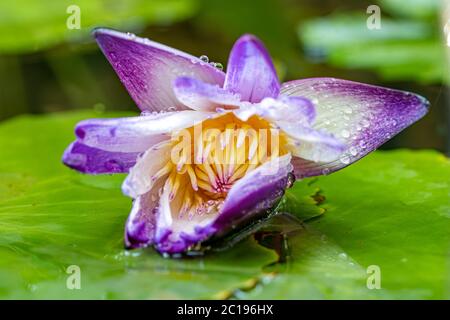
390	209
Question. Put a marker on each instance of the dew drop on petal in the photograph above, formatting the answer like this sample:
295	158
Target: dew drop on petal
204	58
353	151
345	159
290	180
345	133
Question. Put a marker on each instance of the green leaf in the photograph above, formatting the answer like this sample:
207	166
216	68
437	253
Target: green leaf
52	217
400	50
423	9
391	210
30	25
303	201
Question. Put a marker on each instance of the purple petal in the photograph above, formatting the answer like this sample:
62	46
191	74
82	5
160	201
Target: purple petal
286	109
147	68
255	193
250	71
175	234
140	179
250	198
203	96
140	225
362	116
86	159
135	134
311	144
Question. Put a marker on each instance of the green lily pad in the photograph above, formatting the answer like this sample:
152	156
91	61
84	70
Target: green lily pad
390	210
423	9
30	25
399	50
52	218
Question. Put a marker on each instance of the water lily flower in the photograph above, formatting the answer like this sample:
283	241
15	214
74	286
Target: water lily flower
249	136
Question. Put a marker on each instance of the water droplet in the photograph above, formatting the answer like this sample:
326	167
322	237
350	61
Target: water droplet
325	171
343	256
345	159
172	109
219	66
365	123
204	58
353	151
290	180
131	35
348	110
32	287
345	133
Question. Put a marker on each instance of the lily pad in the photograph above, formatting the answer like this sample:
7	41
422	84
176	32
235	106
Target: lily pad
52	218
30	25
399	50
390	209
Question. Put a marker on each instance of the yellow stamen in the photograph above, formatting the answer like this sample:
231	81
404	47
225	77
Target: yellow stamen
223	151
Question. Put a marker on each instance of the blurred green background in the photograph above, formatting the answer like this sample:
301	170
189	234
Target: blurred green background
46	67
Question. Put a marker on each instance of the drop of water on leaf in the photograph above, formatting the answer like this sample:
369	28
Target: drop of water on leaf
343	256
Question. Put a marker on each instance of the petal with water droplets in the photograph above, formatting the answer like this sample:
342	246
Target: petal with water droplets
147	68
135	134
202	96
362	116
91	160
250	71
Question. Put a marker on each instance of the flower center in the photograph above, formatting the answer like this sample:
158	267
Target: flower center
207	159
